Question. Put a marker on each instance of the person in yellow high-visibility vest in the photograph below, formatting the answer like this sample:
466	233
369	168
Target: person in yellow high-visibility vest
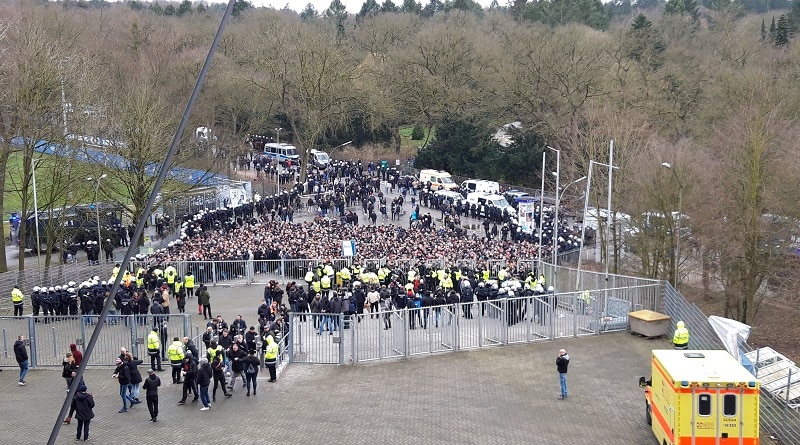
175	353
681	338
18	299
325	284
153	349
271	356
188	283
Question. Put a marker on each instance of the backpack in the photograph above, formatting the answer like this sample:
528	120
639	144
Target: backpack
250	369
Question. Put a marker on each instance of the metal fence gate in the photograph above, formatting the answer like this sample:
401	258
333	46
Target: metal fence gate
48	338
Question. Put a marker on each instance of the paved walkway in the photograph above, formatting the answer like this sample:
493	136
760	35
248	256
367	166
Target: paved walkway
505	395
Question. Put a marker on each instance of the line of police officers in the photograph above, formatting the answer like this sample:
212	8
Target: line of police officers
131	298
423	286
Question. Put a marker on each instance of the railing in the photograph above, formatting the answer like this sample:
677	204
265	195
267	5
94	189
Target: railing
341	339
48	338
777	417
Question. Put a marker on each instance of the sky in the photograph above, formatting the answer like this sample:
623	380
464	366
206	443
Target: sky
353	6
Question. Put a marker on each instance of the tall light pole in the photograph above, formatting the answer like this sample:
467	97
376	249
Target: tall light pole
585	211
539	270
36	214
63	95
97	206
675	227
278	135
558	204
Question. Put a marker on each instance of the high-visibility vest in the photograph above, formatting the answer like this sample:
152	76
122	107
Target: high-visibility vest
178	286
152	340
325	281
175	352
411	274
681	336
140	277
188	281
114	273
214	352
485	274
309	276
501	275
345	274
329	270
170	274
272	349
316	286
17	296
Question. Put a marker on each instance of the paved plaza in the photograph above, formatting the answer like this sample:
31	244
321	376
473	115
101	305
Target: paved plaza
503	395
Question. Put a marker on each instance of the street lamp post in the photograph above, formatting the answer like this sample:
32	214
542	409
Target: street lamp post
278	135
36	213
675	227
97	206
558	204
539	270
585	211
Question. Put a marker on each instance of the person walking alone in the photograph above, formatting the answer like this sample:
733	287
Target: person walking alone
251	366
680	340
21	355
83	404
562	362
150	386
204	376
271	357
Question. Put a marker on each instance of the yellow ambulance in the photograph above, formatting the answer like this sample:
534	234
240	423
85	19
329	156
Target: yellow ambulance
701	398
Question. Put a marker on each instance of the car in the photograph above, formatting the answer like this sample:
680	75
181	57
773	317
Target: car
514	196
450	195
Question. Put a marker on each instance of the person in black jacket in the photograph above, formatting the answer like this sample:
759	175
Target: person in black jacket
82	404
218	366
236	357
136	376
150	386
204	375
426	303
123	375
251	365
21	355
189	373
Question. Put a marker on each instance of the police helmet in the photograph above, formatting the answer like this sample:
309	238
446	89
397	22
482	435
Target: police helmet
36	288
51	290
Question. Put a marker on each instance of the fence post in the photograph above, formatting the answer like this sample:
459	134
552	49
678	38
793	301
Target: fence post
341	338
456	333
506	321
482	307
405	332
187	319
353	337
292	326
32	342
134	334
214	272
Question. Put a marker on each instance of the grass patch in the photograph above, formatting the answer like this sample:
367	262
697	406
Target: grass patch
405	137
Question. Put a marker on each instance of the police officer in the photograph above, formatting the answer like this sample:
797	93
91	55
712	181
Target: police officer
36	301
175	352
681	338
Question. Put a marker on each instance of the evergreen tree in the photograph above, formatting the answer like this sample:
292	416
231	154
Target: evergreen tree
201	7
783	31
169	10
337	12
763	30
794	16
772	30
156	9
185	6
240	6
309	12
432	8
368	9
389	6
411	6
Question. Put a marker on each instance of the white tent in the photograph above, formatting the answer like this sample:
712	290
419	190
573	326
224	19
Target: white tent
731	332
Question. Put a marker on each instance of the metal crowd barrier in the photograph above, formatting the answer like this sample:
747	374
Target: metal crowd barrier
48	338
399	333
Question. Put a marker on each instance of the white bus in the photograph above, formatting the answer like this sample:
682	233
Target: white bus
282	153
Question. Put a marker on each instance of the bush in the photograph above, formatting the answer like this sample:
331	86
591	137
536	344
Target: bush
418	133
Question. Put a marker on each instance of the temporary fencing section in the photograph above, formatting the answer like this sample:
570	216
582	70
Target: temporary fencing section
48	338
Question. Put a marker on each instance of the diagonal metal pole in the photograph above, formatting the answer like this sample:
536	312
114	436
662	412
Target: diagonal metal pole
140	224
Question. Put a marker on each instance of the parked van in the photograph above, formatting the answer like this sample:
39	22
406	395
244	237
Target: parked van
319	159
437	179
480	185
484	201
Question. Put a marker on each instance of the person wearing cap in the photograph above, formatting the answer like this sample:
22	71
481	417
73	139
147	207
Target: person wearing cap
150	386
17	298
83	405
